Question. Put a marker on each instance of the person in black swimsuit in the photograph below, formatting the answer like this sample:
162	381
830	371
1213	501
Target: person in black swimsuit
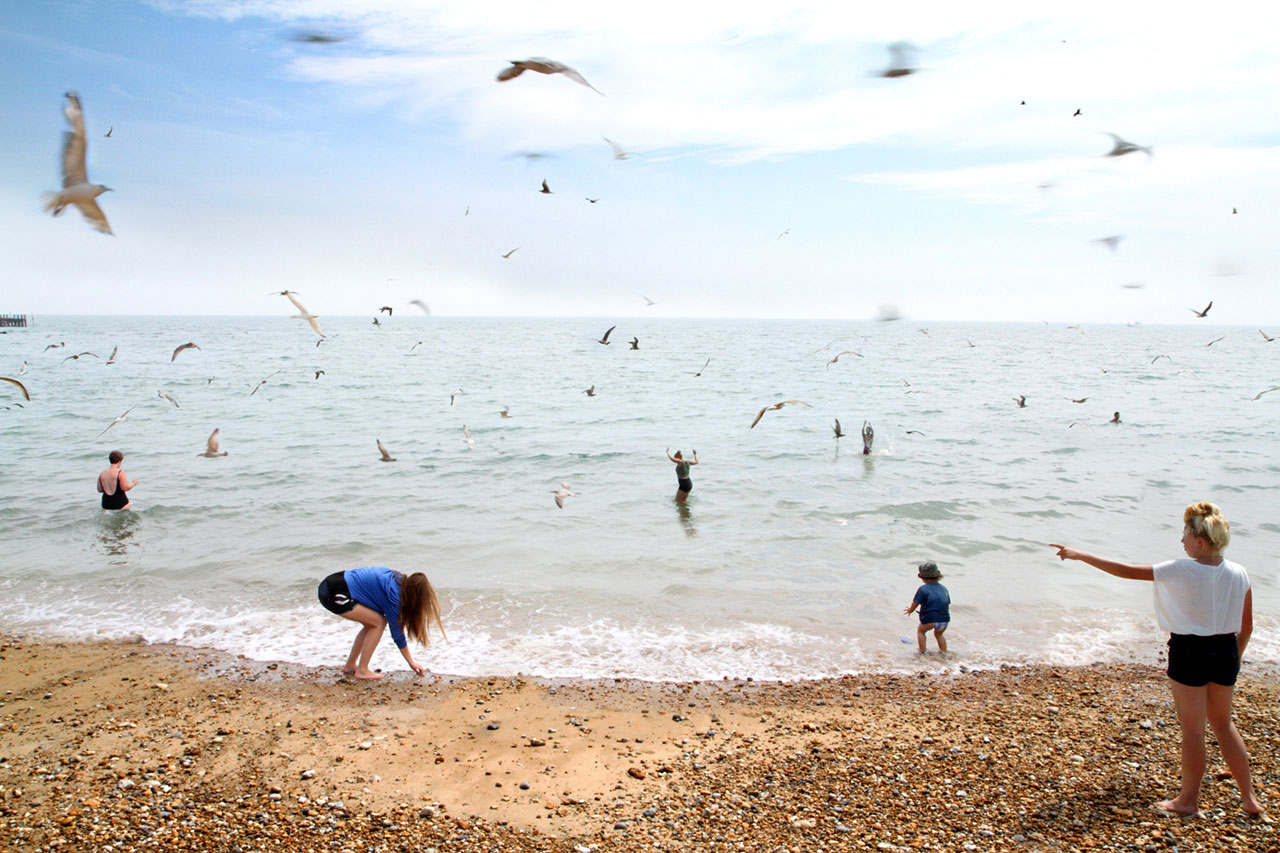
113	483
684	485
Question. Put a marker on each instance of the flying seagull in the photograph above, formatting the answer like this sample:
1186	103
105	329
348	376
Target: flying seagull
455	393
542	65
23	369
55	346
1255	396
699	370
303	313
562	493
590	392
505	412
466	436
111	359
1112	242
777	406
1204	312
107	135
604	339
187	345
512	252
76	188
546	190
422	305
386	457
211	446
1265	337
1214	341
635	342
899	64
647	300
618	153
377	322
23	388
311	37
165	395
388	309
264	382
839	432
1122	147
785	232
1072	399
78	355
1021	400
119	419
837	358
319	373
592	200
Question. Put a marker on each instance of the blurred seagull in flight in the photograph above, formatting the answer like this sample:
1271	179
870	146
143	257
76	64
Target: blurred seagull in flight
1112	242
777	406
546	190
457	392
839	432
76	188
1204	312
1255	396
466	436
78	355
422	305
505	411
1265	337
635	342
562	493
388	309
113	423
837	358
303	313
604	339
542	65
647	300
187	345
698	372
111	359
512	252
386	457
1121	147
899	63
1021	400
23	369
618	153
263	382
165	395
211	446
26	395
55	346
590	392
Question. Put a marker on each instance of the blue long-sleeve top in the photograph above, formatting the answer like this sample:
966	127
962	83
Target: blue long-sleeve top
379	589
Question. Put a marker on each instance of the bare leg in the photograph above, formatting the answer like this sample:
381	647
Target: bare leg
1218	709
366	641
942	640
922	632
681	496
1191	705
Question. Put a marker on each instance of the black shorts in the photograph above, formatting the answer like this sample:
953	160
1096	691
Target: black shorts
684	485
1195	660
334	595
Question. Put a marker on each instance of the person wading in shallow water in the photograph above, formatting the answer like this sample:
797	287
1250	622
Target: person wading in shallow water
1206	604
113	483
683	484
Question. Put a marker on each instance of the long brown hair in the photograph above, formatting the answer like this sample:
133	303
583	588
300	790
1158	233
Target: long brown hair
418	605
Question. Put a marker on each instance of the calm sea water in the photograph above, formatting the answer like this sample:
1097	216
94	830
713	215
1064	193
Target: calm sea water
793	558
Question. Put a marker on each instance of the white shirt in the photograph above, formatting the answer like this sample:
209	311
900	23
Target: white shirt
1192	598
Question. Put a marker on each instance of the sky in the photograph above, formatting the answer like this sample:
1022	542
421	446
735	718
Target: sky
773	171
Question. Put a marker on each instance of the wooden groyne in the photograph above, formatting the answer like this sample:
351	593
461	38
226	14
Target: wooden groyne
13	320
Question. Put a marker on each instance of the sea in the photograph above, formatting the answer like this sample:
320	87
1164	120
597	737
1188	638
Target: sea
793	558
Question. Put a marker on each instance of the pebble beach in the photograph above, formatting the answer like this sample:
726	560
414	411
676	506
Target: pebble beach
129	746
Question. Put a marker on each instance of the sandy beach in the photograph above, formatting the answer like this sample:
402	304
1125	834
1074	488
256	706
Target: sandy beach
117	746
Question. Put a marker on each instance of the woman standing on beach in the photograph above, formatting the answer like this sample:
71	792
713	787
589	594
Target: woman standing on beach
113	483
1205	603
683	484
376	598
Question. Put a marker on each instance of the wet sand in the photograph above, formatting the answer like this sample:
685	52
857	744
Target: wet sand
111	746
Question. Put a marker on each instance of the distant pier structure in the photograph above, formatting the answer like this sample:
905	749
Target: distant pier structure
12	321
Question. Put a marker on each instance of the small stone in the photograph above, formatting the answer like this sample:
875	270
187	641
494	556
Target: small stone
524	786
365	744
622	824
493	727
426	812
126	784
635	773
649	812
308	774
48	695
537	741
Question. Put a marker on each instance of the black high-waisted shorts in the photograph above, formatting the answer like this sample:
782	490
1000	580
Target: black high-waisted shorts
1195	660
684	485
334	594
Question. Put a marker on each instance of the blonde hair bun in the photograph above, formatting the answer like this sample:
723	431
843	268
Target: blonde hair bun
1205	520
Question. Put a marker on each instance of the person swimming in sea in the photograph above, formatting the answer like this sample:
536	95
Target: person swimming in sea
684	485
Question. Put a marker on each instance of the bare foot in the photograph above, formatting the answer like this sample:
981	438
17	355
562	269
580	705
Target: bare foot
1172	808
1253	809
348	670
368	676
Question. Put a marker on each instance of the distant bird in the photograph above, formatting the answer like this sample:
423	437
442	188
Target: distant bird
112	358
1112	242
618	153
837	358
110	425
1081	400
604	339
78	355
914	432
386	457
264	382
785	232
319	373
1233	210
1214	341
590	392
377	322
211	446
23	369
303	313
924	332
312	37
592	200
76	188
1134	285
1265	337
55	346
699	370
422	305
839	432
899	64
1121	147
107	135
1255	396
562	493
388	309
1079	329
635	343
512	252
186	346
777	406
542	65
457	392
505	411
1021	400
415	346
1157	358
23	388
647	300
165	395
546	190
1076	113
1204	312
1022	104
466	436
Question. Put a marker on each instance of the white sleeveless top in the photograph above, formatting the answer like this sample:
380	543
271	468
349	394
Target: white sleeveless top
1192	598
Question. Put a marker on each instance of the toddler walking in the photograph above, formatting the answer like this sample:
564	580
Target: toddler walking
935	607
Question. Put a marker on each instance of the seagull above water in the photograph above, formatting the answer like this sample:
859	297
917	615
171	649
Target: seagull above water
422	305
111	359
457	392
777	406
78	355
699	370
187	345
899	64
1214	341
263	382
837	358
386	457
647	300
512	252
505	411
839	432
1255	396
26	394
303	313
76	188
117	420
388	309
546	190
604	339
590	392
542	65
1265	337
23	369
1204	312
55	346
1122	147
618	153
1112	242
165	395
562	493
466	436
319	373
211	446
635	342
1021	400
